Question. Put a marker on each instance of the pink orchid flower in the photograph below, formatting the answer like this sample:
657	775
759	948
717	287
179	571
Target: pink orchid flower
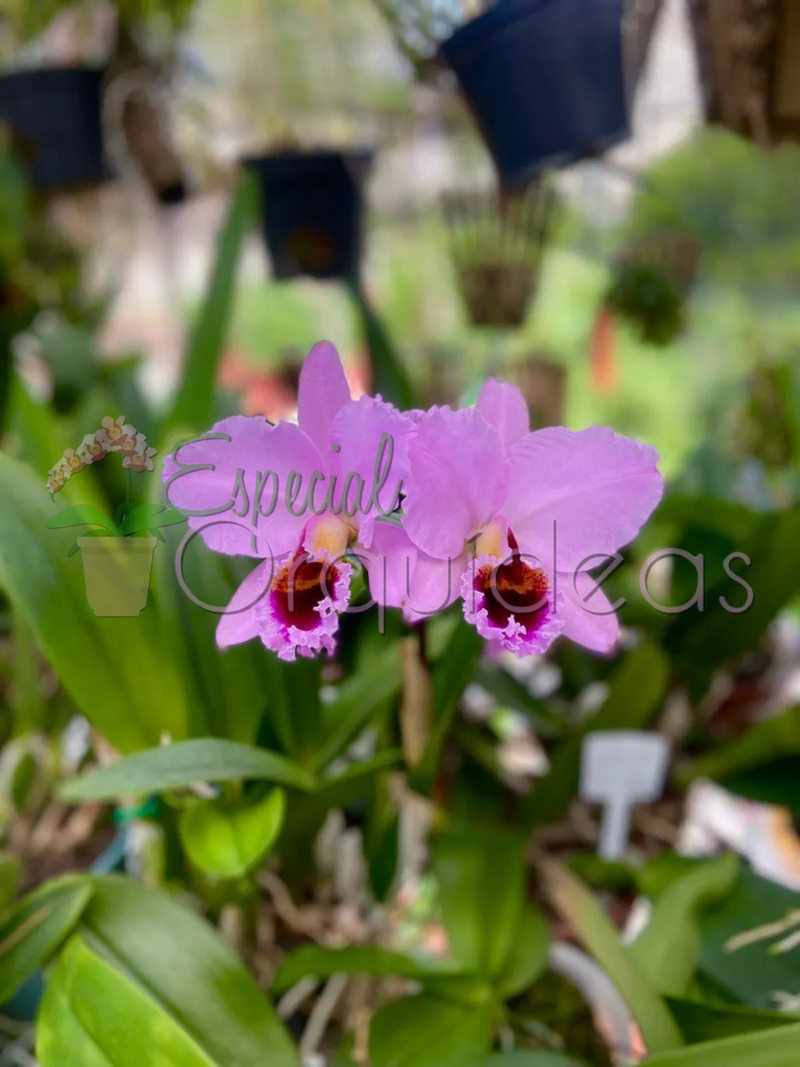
512	521
298	497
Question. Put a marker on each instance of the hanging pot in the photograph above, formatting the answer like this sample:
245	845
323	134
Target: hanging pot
497	246
314	211
544	80
497	294
55	114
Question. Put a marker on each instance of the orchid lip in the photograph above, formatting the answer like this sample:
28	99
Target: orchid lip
512	602
298	591
301	613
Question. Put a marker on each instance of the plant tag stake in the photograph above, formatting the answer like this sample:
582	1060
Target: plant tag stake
619	769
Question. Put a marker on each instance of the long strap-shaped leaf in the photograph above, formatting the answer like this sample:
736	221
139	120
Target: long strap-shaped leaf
120	672
194	404
769	1048
579	908
146	981
183	764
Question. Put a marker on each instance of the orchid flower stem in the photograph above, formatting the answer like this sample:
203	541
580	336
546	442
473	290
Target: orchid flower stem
416	702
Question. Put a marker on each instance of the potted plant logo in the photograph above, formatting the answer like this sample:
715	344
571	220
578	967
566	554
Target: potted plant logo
118	553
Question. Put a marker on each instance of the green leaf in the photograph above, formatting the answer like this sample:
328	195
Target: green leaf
82	515
382	837
10	874
150	517
637	690
703	641
376	681
776	782
669	961
26	699
531	1058
293	686
712	1022
389	376
768	1048
43	439
37	927
176	766
307	812
451	675
424	1032
319	962
93	1013
229	844
341	790
120	672
148	981
762	742
578	907
508	692
230	690
194	403
481	877
527	960
750	975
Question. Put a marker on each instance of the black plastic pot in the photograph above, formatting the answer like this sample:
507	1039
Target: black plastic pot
314	211
56	117
544	80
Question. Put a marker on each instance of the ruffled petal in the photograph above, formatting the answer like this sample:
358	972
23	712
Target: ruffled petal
231	468
322	392
597	487
457	480
523	624
300	616
505	408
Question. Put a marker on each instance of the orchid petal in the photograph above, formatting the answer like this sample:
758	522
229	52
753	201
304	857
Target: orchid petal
323	391
587	614
371	440
505	408
457	480
233	465
240	622
400	576
390	562
597	487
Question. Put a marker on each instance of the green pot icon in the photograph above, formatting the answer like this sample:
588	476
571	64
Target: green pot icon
117	573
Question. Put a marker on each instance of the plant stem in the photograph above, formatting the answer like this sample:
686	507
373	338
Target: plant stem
416	702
